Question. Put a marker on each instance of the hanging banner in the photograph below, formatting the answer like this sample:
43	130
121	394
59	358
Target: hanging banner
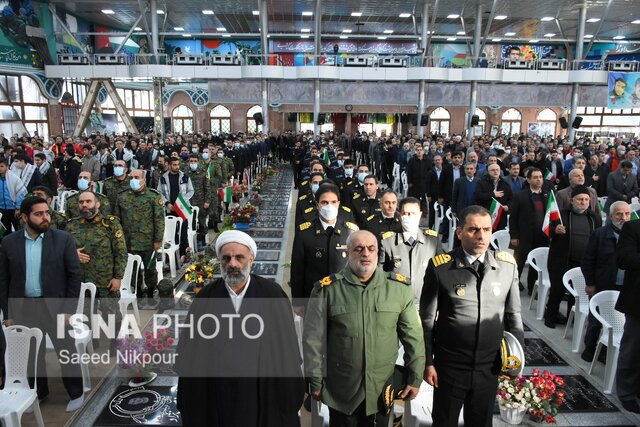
624	90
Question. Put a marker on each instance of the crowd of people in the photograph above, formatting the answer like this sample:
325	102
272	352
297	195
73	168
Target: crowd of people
367	269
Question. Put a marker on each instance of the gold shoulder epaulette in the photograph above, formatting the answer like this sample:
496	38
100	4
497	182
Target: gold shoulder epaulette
346	209
430	232
153	190
304	196
351	226
399	278
309	209
356	196
112	218
303	183
105	223
506	257
326	281
118	234
305	225
388	234
371	217
441	259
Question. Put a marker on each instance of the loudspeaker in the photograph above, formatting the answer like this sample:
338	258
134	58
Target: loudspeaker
336	49
258	118
563	122
414	120
576	122
292	117
424	120
321	119
475	119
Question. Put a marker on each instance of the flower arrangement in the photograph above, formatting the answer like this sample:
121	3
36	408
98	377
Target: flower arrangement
515	392
137	354
238	190
242	214
269	171
201	269
549	396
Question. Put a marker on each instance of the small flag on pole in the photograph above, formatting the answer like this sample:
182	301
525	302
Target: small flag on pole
551	213
226	194
496	213
183	208
549	176
3	230
326	158
634	215
245	177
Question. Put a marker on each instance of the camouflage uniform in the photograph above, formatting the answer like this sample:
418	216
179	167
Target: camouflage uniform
141	214
228	169
155	177
201	194
214	171
113	186
71	209
103	240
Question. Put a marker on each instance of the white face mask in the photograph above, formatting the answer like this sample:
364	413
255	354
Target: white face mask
410	223
329	212
348	172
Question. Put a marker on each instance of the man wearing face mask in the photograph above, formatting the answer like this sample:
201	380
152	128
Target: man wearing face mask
118	183
306	203
202	194
102	252
319	246
141	213
315	166
213	167
85	184
348	183
599	267
47	171
369	203
568	242
184	159
408	251
386	222
226	165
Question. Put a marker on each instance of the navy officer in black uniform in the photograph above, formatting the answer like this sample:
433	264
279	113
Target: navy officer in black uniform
474	293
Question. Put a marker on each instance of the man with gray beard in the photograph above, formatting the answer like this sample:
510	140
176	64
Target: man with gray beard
240	363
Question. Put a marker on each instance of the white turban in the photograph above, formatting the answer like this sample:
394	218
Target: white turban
235	236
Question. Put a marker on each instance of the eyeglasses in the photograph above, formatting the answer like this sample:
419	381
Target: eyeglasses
360	249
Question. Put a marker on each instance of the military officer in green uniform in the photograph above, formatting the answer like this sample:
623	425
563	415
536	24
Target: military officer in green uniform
58	219
158	171
226	164
85	184
202	194
102	251
117	183
213	166
408	252
353	323
469	296
141	213
367	203
388	219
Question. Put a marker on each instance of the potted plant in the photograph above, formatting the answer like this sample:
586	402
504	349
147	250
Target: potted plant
514	398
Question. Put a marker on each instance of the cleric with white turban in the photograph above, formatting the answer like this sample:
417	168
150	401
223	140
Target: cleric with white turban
235	236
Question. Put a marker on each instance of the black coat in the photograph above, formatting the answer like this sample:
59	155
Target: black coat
276	391
417	176
599	266
523	224
446	183
50	180
628	254
484	196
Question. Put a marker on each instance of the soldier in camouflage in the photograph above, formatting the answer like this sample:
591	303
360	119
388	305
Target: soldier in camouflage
141	213
118	183
58	219
71	205
202	194
228	169
158	171
213	166
102	251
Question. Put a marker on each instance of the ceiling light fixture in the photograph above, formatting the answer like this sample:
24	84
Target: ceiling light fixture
108	11
304	36
510	34
593	20
305	30
346	30
160	12
637	21
550	34
137	29
452	39
534	41
344	37
178	29
186	35
388	31
356	14
207	12
382	37
229	35
461	33
307	13
453	16
500	17
404	15
588	36
496	40
547	18
618	37
221	29
255	12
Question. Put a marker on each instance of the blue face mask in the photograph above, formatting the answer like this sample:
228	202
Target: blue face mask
194	150
184	156
193	166
314	188
205	156
348	172
83	184
340	163
118	170
134	184
362	176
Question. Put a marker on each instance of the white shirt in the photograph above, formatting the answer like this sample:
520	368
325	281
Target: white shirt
406	235
236	299
325	224
470	258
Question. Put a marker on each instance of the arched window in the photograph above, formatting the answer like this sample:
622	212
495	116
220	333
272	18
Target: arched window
182	119
482	120
252	127
220	120
440	120
546	122
511	121
23	107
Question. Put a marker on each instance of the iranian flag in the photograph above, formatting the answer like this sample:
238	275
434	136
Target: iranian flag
496	212
634	215
326	158
226	194
549	176
183	208
552	213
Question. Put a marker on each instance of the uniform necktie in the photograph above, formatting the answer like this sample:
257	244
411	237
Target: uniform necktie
329	230
411	241
478	267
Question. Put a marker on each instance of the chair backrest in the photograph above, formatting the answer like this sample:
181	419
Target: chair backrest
130	278
537	259
603	307
171	226
62	204
439	210
16	357
193	219
500	240
91	288
575	283
449	214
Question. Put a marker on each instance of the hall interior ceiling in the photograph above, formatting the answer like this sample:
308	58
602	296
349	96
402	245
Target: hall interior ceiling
238	17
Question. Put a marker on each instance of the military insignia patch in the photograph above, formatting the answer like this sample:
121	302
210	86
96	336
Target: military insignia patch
388	234
506	257
356	196
397	264
326	281
370	218
430	232
304	226
318	254
118	234
460	292
304	196
351	226
160	202
441	259
346	209
105	223
112	218
308	209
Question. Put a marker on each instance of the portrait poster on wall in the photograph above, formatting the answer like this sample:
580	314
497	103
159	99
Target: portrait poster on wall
623	90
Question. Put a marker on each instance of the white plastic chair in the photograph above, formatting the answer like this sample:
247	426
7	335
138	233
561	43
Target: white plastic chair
500	240
537	259
439	216
17	396
453	223
192	231
575	283
417	412
405	184
84	340
171	243
396	178
602	307
128	286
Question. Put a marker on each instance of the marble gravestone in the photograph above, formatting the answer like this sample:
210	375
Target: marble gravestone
147	405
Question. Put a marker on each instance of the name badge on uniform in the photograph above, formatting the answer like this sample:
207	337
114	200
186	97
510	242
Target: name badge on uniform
495	288
460	289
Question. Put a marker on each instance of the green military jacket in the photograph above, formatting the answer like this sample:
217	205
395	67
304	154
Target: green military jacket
214	171
351	333
202	192
141	214
228	169
71	209
113	186
58	220
103	240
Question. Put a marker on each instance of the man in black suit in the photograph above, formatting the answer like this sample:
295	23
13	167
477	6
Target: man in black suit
40	281
450	175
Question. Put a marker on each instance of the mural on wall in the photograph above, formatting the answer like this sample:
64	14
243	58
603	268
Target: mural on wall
23	39
526	51
64	42
624	90
454	55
